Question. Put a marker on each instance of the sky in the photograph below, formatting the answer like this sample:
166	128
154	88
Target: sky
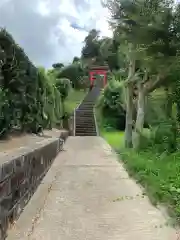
52	31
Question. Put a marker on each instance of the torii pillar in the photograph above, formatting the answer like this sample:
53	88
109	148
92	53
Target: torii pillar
98	70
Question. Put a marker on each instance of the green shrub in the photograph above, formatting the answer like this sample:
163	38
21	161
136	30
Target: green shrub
6	115
111	105
19	79
73	72
29	101
164	136
155	108
161	138
84	82
63	85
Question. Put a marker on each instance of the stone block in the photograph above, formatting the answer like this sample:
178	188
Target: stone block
21	174
6	169
5	188
3	228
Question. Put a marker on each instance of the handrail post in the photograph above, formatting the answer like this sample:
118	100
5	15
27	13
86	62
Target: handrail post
74	128
96	125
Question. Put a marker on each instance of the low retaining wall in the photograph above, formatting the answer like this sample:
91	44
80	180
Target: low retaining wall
20	175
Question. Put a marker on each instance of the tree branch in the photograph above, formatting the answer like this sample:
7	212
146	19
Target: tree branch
133	79
151	85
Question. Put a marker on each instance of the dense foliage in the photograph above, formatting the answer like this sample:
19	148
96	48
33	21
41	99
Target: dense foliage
147	42
111	105
63	85
148	34
29	101
73	72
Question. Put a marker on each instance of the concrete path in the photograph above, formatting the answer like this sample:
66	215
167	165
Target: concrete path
87	195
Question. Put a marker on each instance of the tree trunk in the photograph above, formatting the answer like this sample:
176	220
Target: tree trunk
129	105
140	117
129	115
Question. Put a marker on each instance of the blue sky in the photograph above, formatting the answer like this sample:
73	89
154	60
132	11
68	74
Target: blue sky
52	30
78	27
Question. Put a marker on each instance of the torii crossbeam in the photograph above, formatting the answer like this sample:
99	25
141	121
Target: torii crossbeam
98	70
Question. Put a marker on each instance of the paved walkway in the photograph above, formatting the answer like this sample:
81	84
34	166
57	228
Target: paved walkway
87	195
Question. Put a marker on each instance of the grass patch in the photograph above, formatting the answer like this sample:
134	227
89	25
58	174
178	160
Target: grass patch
74	99
158	174
114	138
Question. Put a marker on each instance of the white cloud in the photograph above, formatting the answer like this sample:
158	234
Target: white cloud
102	24
42	8
95	16
68	8
44	27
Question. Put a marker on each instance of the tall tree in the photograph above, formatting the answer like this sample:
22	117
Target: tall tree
91	47
58	65
146	32
76	60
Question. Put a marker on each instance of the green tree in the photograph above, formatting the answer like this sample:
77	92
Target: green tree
73	72
108	53
146	33
58	65
91	47
76	60
63	85
111	105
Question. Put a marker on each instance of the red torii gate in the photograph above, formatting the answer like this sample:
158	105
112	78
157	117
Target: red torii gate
101	70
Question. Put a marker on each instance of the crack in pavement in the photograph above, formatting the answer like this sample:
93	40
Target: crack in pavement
38	214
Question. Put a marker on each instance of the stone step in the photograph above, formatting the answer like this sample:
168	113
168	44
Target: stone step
81	116
87	124
85	121
84	118
85	134
86	128
86	105
79	111
85	115
86	109
85	112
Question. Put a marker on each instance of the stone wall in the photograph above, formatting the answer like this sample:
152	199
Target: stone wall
20	175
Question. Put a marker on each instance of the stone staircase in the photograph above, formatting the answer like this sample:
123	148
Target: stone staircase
85	122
